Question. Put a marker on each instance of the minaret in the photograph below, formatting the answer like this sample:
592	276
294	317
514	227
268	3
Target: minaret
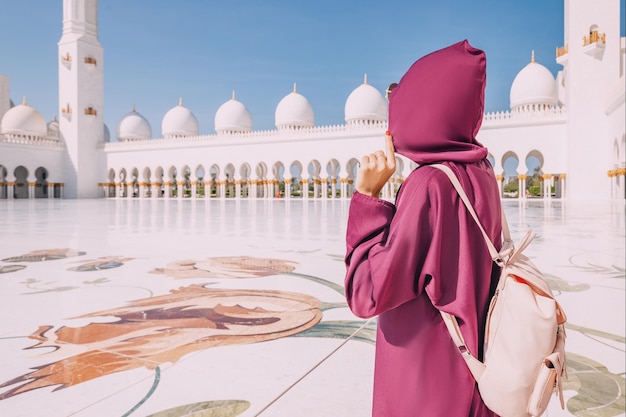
591	69
5	100
81	97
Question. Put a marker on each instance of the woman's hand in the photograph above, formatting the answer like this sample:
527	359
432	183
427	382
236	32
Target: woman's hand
376	169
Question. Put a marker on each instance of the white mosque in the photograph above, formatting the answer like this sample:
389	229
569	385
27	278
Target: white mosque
563	138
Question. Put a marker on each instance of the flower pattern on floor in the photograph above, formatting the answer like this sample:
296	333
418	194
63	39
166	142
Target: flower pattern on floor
45	255
226	267
160	329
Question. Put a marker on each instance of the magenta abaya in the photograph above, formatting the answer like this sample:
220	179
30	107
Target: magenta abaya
424	253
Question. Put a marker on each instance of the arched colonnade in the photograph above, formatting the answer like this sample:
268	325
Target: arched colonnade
313	179
24	181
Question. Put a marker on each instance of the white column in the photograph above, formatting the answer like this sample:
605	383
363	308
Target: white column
237	189
343	185
521	178
547	186
287	187
304	188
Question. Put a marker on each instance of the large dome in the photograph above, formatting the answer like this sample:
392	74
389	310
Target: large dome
533	85
23	120
133	126
294	111
179	122
233	117
365	105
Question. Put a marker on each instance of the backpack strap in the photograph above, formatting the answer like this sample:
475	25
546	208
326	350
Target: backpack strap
507	246
475	366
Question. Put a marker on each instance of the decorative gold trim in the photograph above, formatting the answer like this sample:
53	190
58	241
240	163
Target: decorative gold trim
499	178
90	60
563	50
522	176
91	111
594	37
547	176
67	58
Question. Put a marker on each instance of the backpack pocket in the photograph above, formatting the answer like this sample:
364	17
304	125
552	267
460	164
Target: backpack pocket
545	385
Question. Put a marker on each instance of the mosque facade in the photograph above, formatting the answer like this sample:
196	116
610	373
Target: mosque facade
563	137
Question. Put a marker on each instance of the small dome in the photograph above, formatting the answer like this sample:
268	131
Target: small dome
179	122
294	111
233	117
365	104
534	84
23	120
133	126
107	134
53	131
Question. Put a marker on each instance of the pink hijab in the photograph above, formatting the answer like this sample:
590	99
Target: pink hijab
437	108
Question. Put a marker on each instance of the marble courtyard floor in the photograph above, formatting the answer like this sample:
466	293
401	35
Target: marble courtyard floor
235	308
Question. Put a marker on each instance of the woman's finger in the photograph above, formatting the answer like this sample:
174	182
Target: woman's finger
391	152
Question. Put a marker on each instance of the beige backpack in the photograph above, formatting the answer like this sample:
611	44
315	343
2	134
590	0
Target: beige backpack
524	345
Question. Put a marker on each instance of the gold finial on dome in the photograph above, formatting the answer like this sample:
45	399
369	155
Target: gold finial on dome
134	111
24	101
532	57
234	97
180	102
294	88
365	79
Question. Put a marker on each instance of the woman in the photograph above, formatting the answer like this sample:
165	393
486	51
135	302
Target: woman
406	261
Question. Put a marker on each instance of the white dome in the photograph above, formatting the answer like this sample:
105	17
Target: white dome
365	103
133	126
294	110
23	120
107	133
178	122
52	129
233	117
534	84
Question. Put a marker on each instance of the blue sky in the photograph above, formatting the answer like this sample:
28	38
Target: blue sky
156	51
